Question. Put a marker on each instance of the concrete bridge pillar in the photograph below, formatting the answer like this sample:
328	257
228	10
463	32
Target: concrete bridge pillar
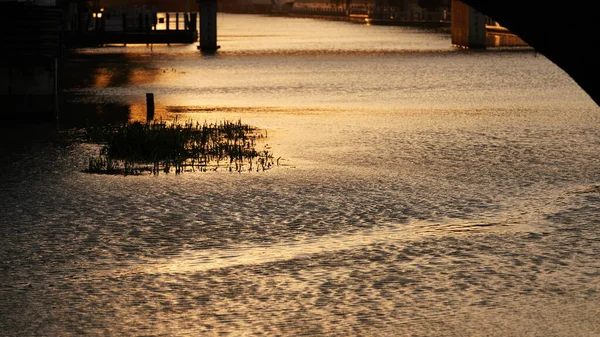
208	25
467	26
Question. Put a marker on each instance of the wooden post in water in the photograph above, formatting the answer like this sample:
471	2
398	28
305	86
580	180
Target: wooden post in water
208	26
149	107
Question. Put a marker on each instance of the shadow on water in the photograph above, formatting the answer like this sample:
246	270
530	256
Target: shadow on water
103	69
83	77
28	139
80	115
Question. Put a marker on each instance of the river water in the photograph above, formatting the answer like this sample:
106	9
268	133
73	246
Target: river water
423	190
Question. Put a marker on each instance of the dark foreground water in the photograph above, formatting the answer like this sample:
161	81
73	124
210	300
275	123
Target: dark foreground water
423	191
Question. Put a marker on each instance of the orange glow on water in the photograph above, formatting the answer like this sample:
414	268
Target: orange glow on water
101	79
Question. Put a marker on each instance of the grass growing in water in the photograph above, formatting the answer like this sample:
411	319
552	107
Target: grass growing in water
159	146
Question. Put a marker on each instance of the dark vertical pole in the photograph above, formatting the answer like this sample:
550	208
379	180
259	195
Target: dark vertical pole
124	28
147	28
167	21
149	107
176	21
193	26
103	29
208	26
56	87
193	21
88	21
10	79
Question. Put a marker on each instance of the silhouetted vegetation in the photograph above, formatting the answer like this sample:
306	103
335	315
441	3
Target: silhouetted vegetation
158	146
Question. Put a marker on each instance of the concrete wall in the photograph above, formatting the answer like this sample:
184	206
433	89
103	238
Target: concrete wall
472	29
468	26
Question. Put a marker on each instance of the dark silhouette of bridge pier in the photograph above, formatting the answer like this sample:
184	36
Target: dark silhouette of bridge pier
565	34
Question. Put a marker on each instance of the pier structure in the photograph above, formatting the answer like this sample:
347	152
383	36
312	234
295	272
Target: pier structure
116	25
208	26
472	29
151	23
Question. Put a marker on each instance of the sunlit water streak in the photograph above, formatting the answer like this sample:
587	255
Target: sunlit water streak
427	191
243	255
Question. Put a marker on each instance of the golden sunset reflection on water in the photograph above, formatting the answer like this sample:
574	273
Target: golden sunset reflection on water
426	191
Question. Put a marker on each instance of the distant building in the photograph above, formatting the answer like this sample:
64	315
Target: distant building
400	12
155	5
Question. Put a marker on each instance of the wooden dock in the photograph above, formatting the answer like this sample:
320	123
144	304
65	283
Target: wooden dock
144	28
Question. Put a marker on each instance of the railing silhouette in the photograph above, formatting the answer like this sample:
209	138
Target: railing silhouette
134	27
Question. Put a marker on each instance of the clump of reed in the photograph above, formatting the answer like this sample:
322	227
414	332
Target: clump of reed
158	146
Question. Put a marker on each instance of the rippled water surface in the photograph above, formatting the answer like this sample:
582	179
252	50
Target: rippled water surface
422	191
